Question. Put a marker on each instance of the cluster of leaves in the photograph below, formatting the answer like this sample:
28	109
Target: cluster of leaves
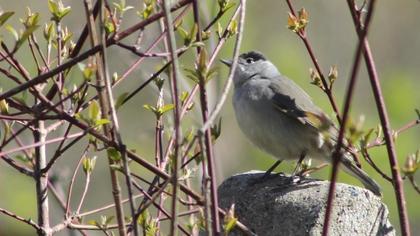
298	23
225	5
58	10
30	23
148	223
317	80
201	72
93	117
88	164
148	8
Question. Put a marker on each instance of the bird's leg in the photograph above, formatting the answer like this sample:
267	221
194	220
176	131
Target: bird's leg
298	167
268	172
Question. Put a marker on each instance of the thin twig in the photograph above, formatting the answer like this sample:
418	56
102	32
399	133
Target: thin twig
42	143
348	99
73	178
96	210
207	136
383	115
114	119
366	155
19	218
175	75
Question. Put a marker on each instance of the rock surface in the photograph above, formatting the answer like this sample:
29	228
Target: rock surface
280	206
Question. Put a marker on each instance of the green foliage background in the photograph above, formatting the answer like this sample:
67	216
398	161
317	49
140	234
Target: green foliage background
394	37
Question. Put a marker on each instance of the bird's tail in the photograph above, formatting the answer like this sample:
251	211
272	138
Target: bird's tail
355	171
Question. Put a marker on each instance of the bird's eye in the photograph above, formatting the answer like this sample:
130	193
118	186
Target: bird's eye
249	60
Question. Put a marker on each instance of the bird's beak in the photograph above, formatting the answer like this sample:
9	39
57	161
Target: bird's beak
228	63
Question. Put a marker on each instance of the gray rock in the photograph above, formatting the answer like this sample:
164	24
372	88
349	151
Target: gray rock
281	205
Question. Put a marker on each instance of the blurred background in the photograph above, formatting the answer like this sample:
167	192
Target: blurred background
395	41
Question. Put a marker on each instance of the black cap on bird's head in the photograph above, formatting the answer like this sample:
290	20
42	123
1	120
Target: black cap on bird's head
252	65
254	55
248	57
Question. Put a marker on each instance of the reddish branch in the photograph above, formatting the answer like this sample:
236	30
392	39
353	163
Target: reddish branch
383	116
348	98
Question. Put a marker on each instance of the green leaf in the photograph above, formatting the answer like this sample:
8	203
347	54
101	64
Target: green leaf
101	122
109	219
94	112
49	31
5	16
211	73
216	130
121	7
4	107
183	33
67	35
91	222
58	10
192	34
230	220
12	31
228	6
120	100
88	164
87	70
23	158
31	19
25	35
365	140
184	96
333	74
109	27
232	28
166	108
53	6
316	78
219	30
202	63
114	154
193	78
205	35
143	218
151	108
148	7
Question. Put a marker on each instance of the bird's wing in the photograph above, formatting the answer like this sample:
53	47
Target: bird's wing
291	100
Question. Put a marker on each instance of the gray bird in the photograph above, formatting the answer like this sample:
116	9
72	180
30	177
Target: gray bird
281	119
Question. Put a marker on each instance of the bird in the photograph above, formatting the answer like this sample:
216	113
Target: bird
281	119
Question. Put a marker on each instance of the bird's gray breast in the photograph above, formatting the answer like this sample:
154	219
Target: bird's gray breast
266	127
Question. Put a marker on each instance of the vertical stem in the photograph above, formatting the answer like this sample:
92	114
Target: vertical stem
105	110
159	123
205	188
174	88
114	119
41	179
349	95
383	116
211	166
